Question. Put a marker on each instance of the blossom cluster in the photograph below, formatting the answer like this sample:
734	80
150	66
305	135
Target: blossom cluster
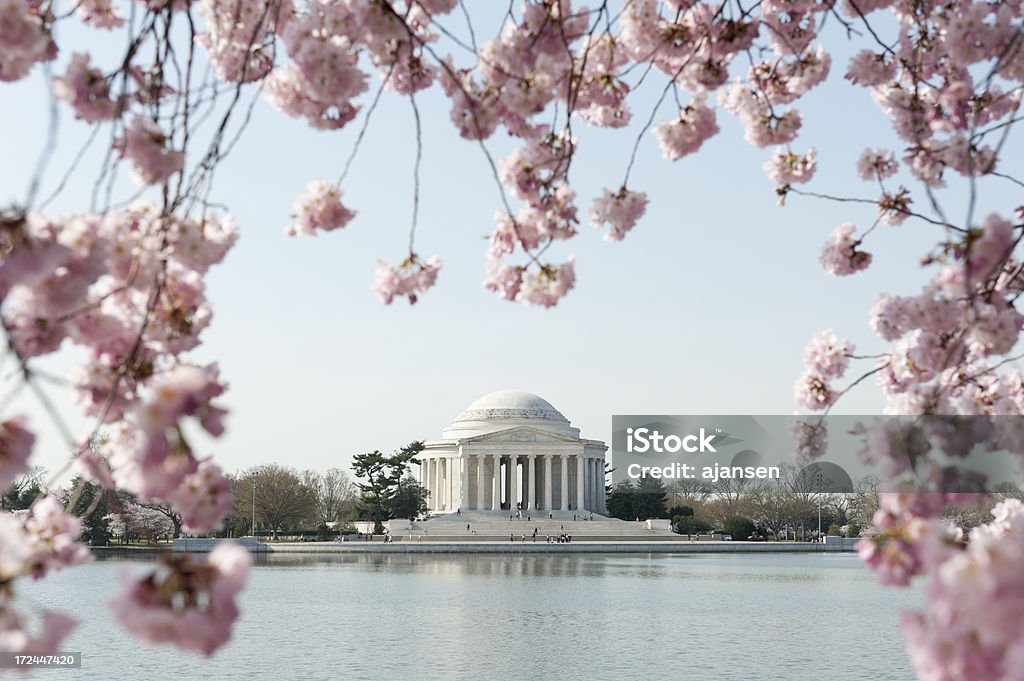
186	602
410	278
89	280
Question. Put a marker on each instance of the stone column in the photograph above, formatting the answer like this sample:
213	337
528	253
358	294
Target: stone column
531	482
480	497
593	484
439	483
563	501
448	475
516	481
430	483
496	484
510	482
547	482
580	489
463	480
526	479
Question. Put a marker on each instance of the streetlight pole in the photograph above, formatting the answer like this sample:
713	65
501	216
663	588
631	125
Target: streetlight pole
254	476
817	479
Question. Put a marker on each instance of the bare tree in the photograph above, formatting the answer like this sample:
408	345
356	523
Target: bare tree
23	489
283	499
776	505
865	498
333	493
689	492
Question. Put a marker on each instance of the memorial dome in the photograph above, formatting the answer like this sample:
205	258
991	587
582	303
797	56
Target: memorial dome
508	409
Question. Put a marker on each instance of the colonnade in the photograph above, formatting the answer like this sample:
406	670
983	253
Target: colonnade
501	481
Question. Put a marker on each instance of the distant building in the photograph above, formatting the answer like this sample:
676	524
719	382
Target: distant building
512	450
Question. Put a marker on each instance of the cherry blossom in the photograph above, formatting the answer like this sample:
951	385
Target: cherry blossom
99	13
876	164
86	90
319	208
53	628
145	144
785	167
15	447
685	135
813	392
409	278
620	211
125	284
841	256
827	356
186	602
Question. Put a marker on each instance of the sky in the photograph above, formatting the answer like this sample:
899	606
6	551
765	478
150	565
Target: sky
704	308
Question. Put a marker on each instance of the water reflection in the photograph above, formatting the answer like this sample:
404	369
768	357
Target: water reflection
401	616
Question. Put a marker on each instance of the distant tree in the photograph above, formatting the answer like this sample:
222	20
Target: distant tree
680	510
138	521
1009	490
621	500
839	506
23	490
865	498
283	500
833	530
651	498
92	504
379	477
334	493
853	530
409	499
739	527
691	492
688	524
167	511
774	505
641	500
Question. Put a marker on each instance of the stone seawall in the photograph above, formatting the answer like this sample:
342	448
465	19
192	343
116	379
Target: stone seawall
517	547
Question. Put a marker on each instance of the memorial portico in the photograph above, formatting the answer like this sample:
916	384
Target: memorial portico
512	449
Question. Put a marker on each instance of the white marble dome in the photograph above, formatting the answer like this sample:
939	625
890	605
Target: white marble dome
506	409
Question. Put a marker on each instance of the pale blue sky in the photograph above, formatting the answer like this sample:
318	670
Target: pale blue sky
704	308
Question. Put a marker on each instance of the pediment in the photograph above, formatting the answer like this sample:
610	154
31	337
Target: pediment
520	435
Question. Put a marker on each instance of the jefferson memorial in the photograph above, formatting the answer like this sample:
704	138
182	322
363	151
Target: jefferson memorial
512	450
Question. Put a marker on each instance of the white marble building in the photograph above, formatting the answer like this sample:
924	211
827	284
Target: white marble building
512	449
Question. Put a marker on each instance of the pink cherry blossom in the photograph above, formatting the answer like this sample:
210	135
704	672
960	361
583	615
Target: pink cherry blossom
184	390
99	13
86	90
24	38
785	167
620	211
549	285
16	442
870	68
841	256
186	602
238	39
687	133
53	537
827	356
145	144
813	392
876	164
15	636
204	498
410	278
319	208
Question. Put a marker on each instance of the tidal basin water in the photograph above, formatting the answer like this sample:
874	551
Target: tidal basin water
393	617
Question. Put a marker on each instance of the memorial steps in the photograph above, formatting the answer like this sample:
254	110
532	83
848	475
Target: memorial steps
495	525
